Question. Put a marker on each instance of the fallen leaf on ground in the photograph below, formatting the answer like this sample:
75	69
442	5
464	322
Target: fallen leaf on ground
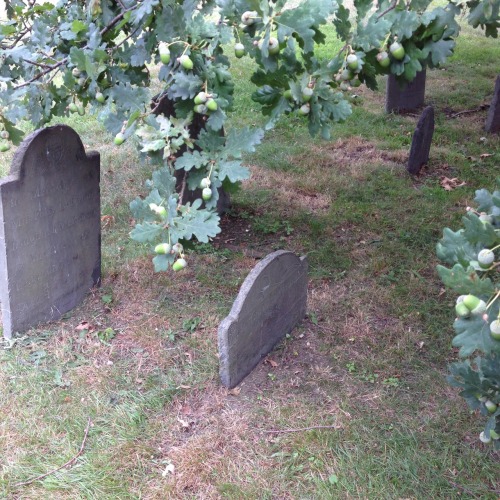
449	184
185	425
272	362
169	469
85	325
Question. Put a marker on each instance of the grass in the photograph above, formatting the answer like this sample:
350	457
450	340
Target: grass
369	360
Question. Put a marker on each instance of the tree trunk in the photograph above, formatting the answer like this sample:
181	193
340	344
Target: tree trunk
164	106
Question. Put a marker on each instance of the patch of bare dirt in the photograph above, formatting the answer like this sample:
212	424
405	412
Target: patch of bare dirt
350	153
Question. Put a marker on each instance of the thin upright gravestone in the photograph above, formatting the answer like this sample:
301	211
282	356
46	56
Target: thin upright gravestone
409	97
493	120
50	236
271	301
421	143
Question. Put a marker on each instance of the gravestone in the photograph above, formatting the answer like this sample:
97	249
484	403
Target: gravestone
493	120
421	142
271	301
409	97
50	249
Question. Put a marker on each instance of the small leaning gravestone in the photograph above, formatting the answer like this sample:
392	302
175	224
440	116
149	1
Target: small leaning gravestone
50	248
271	301
493	120
409	97
421	142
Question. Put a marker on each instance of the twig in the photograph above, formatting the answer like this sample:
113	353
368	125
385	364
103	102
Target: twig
463	488
37	64
50	68
475	110
67	464
391	7
183	187
283	431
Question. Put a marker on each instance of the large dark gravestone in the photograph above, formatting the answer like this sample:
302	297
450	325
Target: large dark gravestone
271	301
50	252
493	120
421	143
410	97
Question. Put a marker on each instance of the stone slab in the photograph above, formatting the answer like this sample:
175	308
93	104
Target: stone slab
409	97
271	301
421	142
493	119
50	248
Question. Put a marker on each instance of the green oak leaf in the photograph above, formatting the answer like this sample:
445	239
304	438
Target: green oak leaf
478	232
164	182
303	20
439	51
243	140
462	375
190	222
192	159
483	200
184	86
362	7
465	281
275	111
162	262
233	170
147	231
455	248
266	95
342	24
372	34
405	23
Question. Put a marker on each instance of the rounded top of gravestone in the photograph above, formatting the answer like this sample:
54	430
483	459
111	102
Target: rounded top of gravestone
53	143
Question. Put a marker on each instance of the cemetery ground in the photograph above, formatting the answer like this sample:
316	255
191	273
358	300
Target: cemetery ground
352	404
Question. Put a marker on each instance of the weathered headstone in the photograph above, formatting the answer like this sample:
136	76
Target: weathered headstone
50	248
421	143
493	120
409	97
271	301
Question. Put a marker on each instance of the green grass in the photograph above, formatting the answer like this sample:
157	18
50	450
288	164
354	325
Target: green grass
369	360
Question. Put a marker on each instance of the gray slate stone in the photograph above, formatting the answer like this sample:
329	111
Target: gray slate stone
493	119
421	143
50	248
410	97
271	301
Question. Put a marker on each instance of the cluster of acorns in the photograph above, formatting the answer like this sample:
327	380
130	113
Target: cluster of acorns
205	103
469	306
184	60
167	248
306	95
347	74
396	50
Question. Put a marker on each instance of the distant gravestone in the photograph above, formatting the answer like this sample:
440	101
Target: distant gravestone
421	143
50	253
493	120
409	97
271	301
